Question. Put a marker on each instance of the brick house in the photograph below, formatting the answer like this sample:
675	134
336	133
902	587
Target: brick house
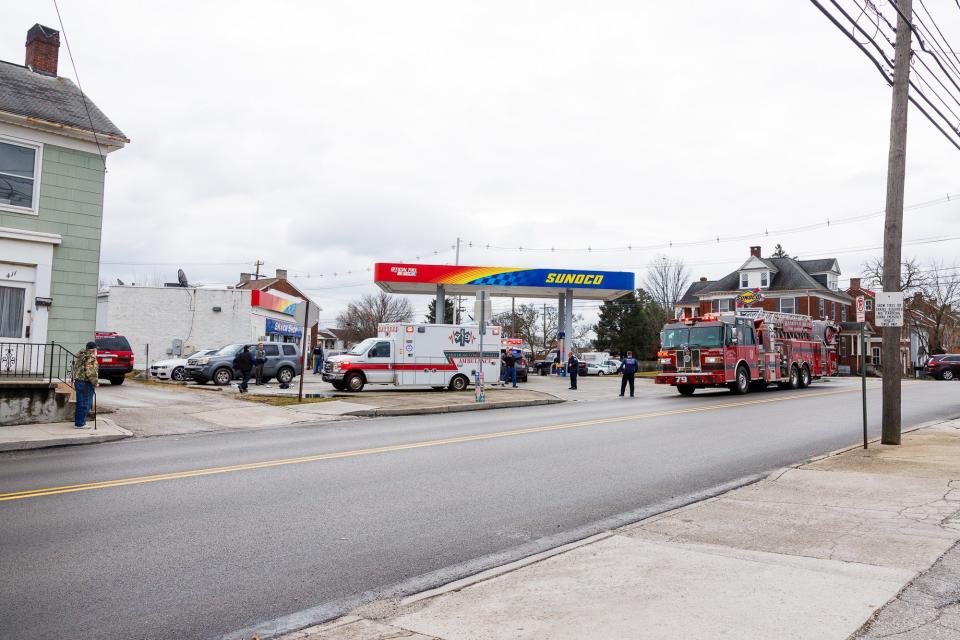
808	287
53	147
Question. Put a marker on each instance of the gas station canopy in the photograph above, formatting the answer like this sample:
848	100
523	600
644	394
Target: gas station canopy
520	282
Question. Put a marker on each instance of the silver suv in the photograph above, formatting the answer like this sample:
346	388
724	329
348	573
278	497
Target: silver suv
283	363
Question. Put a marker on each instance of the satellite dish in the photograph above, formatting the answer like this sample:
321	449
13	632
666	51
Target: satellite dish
119	281
182	277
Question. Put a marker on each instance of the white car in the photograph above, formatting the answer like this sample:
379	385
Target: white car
594	369
173	369
611	366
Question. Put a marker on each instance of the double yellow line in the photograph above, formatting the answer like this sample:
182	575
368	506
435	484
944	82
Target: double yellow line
196	473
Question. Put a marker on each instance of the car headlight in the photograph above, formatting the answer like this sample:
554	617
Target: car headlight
203	360
666	360
713	359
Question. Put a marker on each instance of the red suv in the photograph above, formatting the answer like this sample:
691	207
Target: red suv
114	357
945	367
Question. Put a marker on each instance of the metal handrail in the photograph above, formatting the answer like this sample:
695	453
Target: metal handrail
36	361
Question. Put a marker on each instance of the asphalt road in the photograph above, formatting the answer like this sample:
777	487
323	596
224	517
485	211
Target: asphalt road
318	519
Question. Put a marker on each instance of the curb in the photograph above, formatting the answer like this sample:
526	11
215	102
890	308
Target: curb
25	445
456	408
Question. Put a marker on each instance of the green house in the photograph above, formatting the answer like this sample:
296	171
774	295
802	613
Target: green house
53	146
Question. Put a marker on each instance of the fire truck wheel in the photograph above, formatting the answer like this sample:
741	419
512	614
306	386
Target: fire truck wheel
686	389
459	383
794	382
804	377
742	383
354	382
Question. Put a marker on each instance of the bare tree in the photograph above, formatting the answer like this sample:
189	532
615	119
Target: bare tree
912	276
536	326
362	316
667	280
933	313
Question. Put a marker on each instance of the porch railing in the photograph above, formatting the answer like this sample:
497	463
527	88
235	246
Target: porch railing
28	361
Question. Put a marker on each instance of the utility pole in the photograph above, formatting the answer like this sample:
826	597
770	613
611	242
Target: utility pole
513	317
893	222
456	312
257	264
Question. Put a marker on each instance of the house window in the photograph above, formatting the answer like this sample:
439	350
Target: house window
876	355
725	305
843	347
18	170
788	305
868	304
765	279
744	280
832	281
11	312
821	308
843	313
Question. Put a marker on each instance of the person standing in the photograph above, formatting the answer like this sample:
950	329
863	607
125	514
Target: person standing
573	369
317	358
628	368
510	368
85	372
259	359
243	362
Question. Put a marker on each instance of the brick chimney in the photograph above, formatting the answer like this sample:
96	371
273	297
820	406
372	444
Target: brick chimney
755	252
43	48
854	283
245	278
281	274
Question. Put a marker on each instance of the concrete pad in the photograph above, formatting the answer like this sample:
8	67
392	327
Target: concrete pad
925	453
622	587
333	407
852	517
37	436
358	629
248	416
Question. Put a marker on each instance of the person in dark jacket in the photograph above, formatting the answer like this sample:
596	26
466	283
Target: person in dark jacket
317	359
628	368
259	359
243	362
573	369
509	368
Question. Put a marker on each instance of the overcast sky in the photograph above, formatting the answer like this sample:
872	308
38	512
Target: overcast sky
325	136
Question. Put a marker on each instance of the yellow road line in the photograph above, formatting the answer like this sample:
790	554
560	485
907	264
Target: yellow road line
177	475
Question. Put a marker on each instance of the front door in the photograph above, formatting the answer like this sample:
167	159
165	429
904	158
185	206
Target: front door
380	361
16	303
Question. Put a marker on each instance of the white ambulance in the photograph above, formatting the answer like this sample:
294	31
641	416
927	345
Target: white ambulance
429	355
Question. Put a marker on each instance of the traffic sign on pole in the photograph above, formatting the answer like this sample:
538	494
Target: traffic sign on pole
888	309
861	309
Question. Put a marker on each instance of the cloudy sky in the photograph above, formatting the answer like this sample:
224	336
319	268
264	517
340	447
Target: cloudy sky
322	137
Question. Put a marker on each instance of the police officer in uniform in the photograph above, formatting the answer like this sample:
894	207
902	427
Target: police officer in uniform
628	368
573	369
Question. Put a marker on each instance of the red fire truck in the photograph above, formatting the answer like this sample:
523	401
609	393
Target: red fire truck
748	348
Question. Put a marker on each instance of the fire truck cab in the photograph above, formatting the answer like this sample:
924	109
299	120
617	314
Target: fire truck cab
748	348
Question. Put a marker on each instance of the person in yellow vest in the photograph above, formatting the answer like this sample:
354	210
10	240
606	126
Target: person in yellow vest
85	380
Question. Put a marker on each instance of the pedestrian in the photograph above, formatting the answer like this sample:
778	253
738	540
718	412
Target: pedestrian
259	359
317	358
573	369
243	362
509	368
628	368
85	372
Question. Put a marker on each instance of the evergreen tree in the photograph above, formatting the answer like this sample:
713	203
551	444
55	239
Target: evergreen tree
631	323
447	311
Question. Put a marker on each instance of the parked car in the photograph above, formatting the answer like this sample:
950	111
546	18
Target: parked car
283	363
944	367
594	369
114	356
611	366
173	368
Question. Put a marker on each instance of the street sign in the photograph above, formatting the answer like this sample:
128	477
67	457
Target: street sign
861	309
888	309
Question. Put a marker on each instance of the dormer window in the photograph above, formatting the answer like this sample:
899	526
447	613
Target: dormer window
744	280
765	279
832	283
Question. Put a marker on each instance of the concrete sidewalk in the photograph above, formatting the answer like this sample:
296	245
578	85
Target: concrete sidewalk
38	436
812	551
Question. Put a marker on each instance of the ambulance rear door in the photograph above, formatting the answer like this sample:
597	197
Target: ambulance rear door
406	359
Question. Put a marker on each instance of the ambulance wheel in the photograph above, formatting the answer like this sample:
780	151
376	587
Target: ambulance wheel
804	377
459	383
686	389
742	384
354	382
794	382
338	385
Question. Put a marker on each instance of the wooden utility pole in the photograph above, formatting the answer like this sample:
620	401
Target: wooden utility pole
893	225
257	264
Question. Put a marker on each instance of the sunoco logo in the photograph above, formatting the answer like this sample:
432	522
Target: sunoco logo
404	271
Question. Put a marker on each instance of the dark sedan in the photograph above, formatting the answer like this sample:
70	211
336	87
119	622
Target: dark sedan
943	367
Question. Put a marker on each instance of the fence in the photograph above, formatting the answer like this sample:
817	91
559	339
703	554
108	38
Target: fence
27	361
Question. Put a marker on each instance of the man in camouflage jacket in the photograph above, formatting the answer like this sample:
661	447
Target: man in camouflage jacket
84	380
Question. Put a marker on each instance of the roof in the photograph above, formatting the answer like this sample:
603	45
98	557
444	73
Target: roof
690	296
259	284
55	99
819	266
791	275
